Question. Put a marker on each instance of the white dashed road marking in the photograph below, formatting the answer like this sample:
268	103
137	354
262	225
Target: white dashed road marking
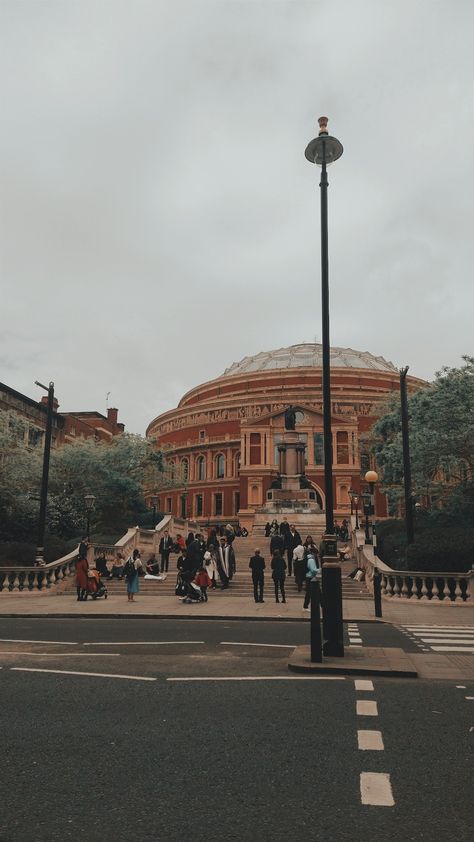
363	684
49	642
260	678
364	707
267	645
376	789
370	740
144	643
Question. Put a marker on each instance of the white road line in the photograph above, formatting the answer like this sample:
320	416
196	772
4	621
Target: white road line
460	640
49	642
144	643
268	645
365	707
460	686
439	628
261	678
363	684
376	789
444	633
466	649
370	741
353	640
91	674
63	654
469	698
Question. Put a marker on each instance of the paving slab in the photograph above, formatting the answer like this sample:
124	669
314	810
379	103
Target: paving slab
368	660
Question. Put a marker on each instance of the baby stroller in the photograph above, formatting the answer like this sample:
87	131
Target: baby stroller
185	589
95	586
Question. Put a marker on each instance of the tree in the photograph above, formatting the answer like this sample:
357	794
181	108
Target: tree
441	437
20	477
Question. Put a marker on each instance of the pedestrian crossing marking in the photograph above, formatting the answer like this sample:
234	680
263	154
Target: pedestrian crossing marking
437	638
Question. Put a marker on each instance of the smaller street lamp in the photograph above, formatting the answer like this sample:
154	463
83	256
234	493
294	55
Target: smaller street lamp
354	505
154	503
89	500
371	478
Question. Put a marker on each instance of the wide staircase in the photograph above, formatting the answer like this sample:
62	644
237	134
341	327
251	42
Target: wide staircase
241	584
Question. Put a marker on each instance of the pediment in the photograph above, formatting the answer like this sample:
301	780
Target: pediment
312	417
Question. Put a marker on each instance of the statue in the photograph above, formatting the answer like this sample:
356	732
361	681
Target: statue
290	418
276	483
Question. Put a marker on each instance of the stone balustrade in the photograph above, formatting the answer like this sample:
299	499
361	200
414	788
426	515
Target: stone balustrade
415	585
22	578
17	578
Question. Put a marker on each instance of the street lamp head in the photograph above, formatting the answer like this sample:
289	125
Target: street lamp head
324	148
89	500
371	476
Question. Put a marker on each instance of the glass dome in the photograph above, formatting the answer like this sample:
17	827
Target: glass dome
309	355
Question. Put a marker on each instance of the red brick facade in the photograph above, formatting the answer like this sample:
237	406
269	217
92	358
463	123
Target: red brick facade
222	437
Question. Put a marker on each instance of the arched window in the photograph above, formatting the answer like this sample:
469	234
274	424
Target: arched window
172	470
342	447
220	466
201	468
185	469
237	464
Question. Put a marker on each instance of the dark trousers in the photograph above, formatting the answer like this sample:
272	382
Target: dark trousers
280	583
165	558
289	555
307	596
257	579
204	593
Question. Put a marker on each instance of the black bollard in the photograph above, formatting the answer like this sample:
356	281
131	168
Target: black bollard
377	593
316	641
332	610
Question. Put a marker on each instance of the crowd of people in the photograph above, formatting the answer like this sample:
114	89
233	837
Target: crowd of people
208	562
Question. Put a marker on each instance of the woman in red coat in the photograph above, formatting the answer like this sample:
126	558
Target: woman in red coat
82	569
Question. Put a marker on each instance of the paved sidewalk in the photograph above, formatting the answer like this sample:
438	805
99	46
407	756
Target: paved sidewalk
219	605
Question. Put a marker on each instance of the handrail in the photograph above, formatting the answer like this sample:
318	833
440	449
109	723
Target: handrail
411	584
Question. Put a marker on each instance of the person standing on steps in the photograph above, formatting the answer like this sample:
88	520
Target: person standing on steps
257	566
312	571
132	569
292	540
278	575
82	569
166	545
225	562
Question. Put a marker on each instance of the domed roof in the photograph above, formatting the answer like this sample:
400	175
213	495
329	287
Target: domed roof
309	355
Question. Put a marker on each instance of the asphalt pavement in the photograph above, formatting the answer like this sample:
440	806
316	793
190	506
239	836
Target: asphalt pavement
166	729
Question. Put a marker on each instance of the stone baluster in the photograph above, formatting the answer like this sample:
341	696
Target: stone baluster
59	574
396	587
15	585
424	588
384	584
458	590
446	588
435	593
405	587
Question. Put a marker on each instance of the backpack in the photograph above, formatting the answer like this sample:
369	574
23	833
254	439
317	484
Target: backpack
129	569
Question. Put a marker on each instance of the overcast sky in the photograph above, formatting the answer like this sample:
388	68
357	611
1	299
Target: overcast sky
159	219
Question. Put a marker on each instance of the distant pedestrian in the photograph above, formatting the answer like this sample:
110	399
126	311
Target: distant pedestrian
278	575
268	529
312	570
132	568
211	565
190	538
165	547
225	562
82	569
292	539
203	580
277	542
299	565
257	566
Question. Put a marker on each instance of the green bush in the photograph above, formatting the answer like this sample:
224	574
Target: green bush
441	544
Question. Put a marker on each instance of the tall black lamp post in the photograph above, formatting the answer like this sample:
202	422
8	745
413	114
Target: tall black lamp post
371	478
409	524
89	501
324	150
45	476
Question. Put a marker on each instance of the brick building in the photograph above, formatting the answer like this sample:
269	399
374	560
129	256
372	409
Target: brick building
222	439
67	426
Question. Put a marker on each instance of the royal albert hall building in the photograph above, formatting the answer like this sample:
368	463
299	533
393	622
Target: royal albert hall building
221	441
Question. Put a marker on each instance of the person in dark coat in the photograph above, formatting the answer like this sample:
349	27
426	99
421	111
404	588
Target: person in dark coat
257	566
165	547
277	542
268	529
278	574
189	538
292	540
225	562
194	556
